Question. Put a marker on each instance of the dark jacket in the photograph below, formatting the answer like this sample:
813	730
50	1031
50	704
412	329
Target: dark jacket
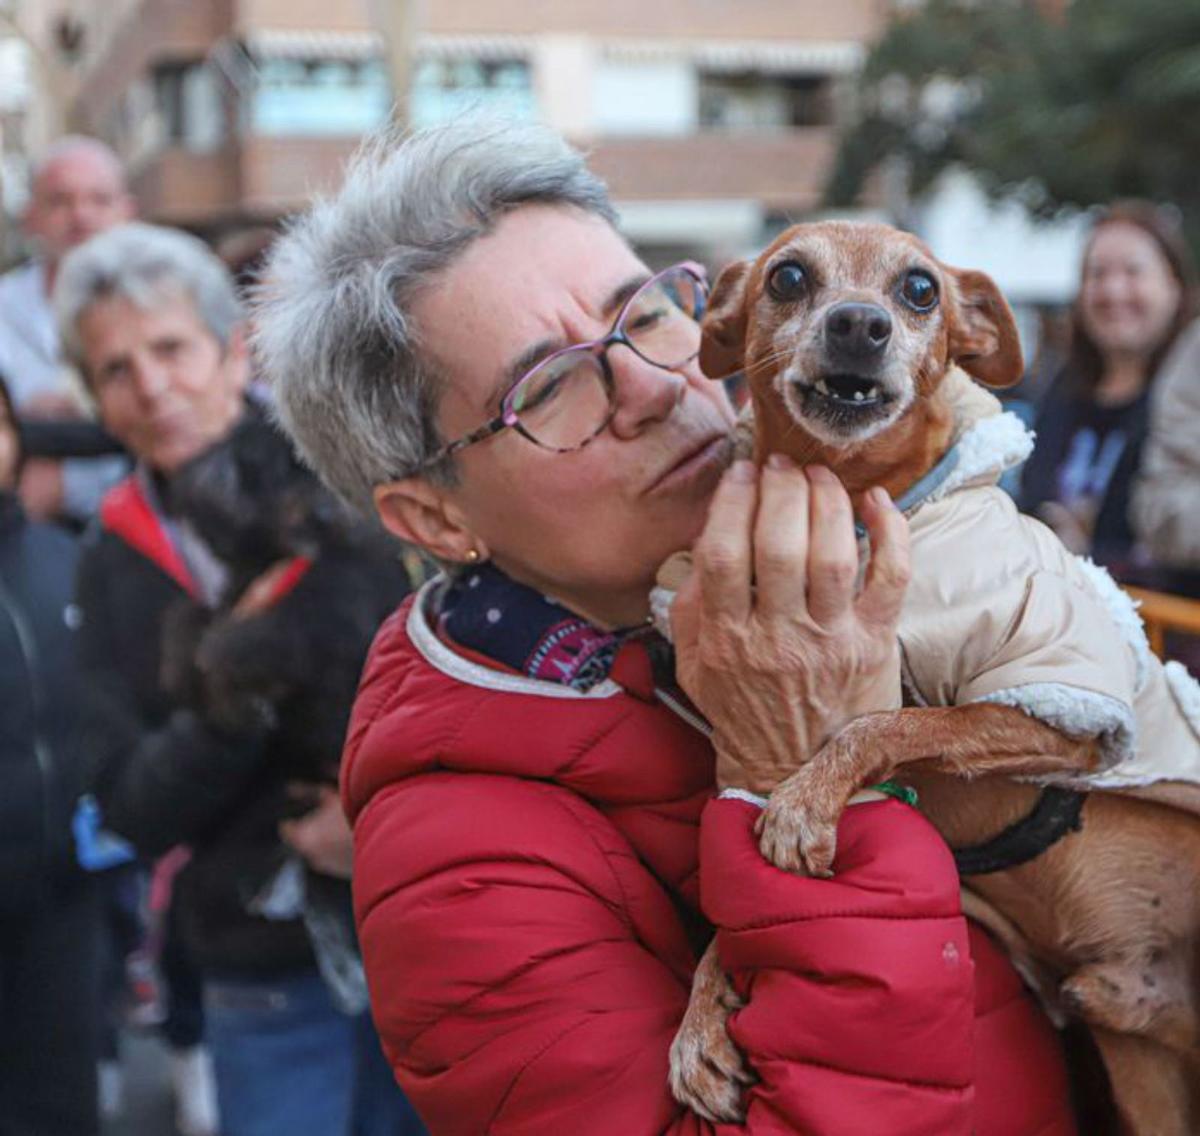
165	777
1086	451
40	771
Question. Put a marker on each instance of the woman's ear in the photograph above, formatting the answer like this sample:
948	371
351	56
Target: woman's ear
423	515
983	336
723	329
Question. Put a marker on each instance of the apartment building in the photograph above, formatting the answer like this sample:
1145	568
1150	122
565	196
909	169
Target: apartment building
712	120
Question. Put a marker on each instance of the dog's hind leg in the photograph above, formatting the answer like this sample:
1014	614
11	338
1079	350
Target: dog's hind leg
707	1072
1152	997
1150	1085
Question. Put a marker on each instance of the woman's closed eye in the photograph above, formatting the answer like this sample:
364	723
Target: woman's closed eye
649	318
539	392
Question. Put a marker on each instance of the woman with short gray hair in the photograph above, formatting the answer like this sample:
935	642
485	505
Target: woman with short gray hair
359	395
152	317
144	264
461	342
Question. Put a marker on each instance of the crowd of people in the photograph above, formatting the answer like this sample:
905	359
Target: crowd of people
541	840
203	849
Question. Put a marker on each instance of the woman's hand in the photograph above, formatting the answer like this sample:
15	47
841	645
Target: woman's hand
321	836
772	644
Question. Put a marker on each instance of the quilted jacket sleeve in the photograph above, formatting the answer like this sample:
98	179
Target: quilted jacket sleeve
528	973
1166	498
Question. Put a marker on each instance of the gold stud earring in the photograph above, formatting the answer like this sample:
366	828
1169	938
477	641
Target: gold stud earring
472	555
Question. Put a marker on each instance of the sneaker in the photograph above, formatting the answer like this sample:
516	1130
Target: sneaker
195	1091
110	1083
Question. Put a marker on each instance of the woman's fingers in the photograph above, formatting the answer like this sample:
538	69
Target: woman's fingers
724	559
781	539
832	547
890	567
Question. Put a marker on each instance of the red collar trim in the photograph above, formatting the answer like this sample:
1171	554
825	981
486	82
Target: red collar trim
287	580
127	514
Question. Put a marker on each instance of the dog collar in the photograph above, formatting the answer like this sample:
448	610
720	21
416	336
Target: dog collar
922	489
1057	813
984	450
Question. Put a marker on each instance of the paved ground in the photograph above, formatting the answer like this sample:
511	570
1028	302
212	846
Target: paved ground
147	1105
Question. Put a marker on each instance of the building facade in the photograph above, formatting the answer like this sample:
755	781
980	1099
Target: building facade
714	121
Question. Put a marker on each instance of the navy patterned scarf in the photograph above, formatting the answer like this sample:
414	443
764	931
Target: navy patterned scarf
490	614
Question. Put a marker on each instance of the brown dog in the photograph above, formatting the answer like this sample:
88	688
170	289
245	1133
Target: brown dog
1020	661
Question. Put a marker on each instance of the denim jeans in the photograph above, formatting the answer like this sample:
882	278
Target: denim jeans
287	1061
380	1108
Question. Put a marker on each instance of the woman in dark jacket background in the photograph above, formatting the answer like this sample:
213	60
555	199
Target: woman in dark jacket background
1136	294
48	1000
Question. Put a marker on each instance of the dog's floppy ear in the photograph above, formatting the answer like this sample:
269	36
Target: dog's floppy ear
983	333
723	329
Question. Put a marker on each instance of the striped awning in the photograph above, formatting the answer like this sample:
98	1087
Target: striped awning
352	46
765	56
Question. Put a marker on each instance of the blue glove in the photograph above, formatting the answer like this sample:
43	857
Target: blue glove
96	848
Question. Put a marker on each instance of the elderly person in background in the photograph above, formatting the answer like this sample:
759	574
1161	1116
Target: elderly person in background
77	190
546	831
152	319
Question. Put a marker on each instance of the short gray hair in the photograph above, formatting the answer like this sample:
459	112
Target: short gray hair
334	332
143	264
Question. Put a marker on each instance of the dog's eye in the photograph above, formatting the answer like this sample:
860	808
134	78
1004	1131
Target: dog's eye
919	291
787	281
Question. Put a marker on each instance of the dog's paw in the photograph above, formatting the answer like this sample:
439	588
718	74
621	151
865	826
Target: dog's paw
707	1071
1147	997
793	834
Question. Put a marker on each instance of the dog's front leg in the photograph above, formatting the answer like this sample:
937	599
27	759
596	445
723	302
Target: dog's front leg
798	828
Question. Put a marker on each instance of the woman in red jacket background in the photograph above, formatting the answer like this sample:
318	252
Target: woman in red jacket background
547	833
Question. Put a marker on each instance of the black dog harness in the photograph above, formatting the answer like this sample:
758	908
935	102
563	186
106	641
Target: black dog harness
1056	813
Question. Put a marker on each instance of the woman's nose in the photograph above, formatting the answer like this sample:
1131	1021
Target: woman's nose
645	394
150	380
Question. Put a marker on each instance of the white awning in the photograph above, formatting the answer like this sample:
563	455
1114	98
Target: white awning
353	46
766	56
348	46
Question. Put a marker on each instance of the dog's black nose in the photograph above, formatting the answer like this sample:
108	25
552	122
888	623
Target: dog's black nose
858	330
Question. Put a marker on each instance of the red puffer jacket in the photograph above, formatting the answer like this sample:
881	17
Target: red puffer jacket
528	863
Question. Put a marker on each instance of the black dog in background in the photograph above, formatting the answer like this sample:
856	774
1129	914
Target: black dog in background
279	657
291	665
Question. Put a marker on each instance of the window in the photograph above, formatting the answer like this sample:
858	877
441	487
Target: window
641	98
754	101
187	97
443	88
319	97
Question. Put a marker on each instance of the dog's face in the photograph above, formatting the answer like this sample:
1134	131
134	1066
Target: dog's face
847	325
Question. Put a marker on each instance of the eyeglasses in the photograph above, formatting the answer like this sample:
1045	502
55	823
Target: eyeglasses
569	397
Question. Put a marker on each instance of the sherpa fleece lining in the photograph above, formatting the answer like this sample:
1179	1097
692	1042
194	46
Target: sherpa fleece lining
1078	713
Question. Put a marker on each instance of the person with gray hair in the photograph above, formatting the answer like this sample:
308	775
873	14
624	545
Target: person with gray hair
463	345
77	189
152	319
